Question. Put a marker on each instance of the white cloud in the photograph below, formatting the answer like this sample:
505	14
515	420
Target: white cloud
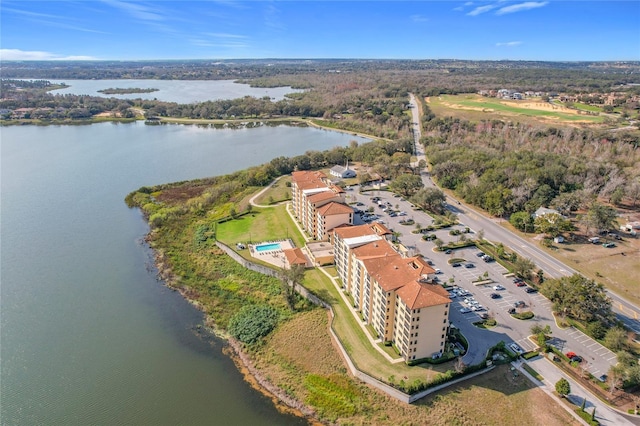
225	35
137	10
521	6
36	55
510	43
481	9
419	18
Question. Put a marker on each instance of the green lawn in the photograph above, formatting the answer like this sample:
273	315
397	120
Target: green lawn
475	101
262	224
272	224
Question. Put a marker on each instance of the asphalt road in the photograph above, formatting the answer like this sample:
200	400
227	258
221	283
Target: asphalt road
604	414
626	311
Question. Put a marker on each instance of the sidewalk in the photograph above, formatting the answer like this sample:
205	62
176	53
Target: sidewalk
604	414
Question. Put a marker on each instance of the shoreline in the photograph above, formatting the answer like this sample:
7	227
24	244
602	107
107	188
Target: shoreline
243	362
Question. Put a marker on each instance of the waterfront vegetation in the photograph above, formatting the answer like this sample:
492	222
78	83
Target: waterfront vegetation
126	91
291	344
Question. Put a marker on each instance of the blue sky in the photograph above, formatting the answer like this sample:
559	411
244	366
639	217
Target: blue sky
227	29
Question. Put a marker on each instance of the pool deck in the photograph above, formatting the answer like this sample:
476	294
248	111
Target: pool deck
275	257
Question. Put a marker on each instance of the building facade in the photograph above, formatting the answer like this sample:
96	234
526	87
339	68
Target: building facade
310	192
396	295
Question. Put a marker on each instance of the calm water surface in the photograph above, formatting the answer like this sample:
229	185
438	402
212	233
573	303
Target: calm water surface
181	91
88	337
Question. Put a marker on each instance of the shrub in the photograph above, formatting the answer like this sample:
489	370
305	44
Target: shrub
252	322
523	315
563	387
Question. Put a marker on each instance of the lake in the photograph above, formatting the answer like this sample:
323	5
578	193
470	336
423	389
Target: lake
180	91
88	334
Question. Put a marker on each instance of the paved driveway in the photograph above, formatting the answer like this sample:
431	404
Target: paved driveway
597	359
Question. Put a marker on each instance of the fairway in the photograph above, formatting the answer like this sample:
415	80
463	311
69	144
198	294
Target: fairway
478	107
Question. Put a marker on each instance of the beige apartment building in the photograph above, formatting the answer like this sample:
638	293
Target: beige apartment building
394	294
318	204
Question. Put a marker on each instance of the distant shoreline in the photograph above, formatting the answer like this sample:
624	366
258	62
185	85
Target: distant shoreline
126	91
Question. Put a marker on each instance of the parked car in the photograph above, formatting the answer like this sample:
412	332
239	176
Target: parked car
480	254
521	284
519	304
576	359
603	378
465	310
495	296
511	311
456	265
608	245
438	271
447	251
530	290
487	258
469	265
517	349
483	315
498	287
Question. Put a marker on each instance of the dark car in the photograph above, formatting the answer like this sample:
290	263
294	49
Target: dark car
519	304
480	254
447	251
576	359
468	265
530	290
512	310
455	265
495	296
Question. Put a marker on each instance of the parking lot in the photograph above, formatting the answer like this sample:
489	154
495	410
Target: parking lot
472	268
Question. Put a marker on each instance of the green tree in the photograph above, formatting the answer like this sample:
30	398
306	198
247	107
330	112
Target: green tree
253	322
430	199
563	387
522	267
289	278
615	339
552	224
406	184
600	217
522	221
578	297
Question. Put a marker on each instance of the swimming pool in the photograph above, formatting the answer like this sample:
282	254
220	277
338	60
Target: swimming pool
268	247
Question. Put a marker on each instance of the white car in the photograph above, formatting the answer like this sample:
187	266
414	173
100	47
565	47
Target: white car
438	271
498	287
517	349
465	310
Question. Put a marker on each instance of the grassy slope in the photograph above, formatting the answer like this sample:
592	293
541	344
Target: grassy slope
301	348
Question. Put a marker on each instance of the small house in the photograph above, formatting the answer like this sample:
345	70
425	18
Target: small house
342	172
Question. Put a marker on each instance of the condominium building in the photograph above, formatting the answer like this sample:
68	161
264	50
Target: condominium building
318	204
396	295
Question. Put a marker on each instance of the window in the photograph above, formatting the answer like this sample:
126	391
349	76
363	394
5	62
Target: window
441	343
445	321
416	334
443	336
444	328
